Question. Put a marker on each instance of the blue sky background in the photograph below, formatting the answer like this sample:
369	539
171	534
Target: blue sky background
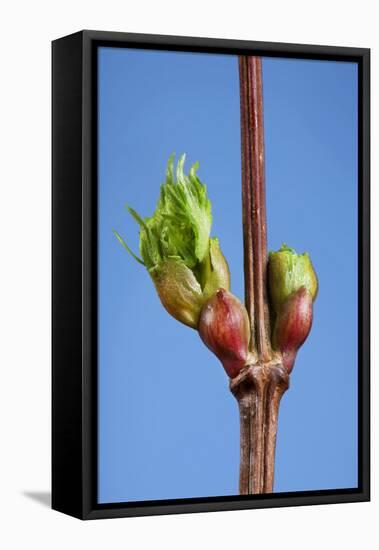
168	425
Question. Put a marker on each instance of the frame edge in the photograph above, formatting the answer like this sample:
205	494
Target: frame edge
67	478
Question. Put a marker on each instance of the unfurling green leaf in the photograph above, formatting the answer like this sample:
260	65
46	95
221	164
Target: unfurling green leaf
186	265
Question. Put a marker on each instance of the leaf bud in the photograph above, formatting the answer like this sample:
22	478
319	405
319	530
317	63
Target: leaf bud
179	291
225	329
293	324
287	272
184	262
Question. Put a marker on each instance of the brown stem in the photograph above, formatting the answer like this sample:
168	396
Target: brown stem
260	386
278	384
247	198
254	203
258	390
249	389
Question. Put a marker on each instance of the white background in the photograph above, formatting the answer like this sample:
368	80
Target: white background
26	31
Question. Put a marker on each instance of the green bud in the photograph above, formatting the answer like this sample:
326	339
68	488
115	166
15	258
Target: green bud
179	291
214	272
287	272
184	262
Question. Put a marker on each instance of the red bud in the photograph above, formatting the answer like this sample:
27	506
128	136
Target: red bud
225	329
293	324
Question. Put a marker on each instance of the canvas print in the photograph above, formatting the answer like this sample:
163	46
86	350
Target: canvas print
227	275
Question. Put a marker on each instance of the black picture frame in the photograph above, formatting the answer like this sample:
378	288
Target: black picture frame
74	273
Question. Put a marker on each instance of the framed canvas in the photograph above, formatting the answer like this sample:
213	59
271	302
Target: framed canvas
210	342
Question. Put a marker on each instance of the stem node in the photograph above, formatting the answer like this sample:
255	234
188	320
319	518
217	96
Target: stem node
258	390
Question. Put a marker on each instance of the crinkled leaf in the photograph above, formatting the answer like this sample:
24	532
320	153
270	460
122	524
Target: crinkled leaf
121	240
